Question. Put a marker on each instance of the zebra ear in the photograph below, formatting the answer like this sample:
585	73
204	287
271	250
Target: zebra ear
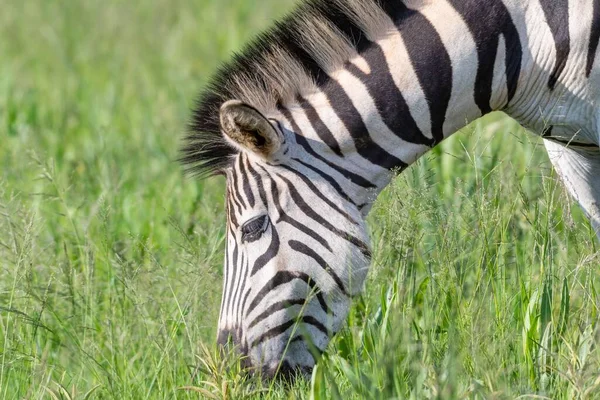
247	128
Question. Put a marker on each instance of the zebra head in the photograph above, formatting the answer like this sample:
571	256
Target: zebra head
296	250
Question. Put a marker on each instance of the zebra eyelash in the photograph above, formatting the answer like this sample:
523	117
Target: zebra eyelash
253	229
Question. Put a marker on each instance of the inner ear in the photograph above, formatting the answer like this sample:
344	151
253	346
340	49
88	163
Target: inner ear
247	128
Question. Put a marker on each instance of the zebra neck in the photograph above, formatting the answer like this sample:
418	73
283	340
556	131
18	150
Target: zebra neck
434	72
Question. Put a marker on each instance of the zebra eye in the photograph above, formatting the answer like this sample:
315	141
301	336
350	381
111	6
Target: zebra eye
253	229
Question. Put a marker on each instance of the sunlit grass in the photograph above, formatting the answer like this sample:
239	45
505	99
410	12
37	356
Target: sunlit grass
484	273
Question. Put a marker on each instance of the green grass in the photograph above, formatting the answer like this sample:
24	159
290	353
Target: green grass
483	283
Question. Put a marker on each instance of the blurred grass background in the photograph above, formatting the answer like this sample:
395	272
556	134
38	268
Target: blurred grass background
484	276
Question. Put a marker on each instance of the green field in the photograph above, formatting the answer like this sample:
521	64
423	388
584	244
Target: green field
483	283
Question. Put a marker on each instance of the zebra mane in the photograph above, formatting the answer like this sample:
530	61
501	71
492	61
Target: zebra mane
291	59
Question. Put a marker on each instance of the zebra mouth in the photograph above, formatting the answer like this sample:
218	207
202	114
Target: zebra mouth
286	373
282	369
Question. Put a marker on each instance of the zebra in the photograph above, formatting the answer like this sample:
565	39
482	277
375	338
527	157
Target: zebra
318	114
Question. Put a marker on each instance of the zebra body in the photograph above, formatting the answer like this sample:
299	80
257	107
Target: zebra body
314	119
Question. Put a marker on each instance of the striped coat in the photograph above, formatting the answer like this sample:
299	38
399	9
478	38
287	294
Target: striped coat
313	119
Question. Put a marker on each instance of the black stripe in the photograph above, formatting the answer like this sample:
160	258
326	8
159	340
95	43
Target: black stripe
281	278
232	195
434	73
594	38
283	217
269	254
233	267
225	276
320	128
234	173
281	329
487	21
557	16
342	105
246	296
307	251
259	184
284	305
302	141
351	176
570	143
303	228
233	190
309	212
320	195
547	132
240	285
310	320
298	338
328	178
273	308
246	181
230	212
271	333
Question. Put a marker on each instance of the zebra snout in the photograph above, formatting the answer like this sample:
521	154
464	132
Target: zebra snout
286	372
283	359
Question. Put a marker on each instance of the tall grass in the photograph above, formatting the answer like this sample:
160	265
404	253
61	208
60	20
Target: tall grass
483	280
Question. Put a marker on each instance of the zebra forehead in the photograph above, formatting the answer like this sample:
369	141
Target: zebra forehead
291	59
